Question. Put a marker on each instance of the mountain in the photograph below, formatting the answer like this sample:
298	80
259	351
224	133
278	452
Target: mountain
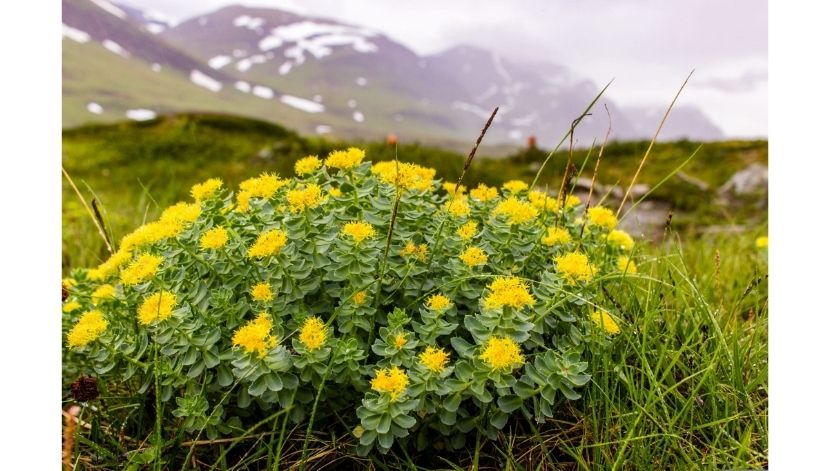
321	76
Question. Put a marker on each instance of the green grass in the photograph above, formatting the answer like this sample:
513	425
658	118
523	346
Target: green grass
684	386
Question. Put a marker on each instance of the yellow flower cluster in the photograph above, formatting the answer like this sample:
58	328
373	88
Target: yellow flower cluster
602	217
484	193
88	328
508	291
468	230
262	292
449	187
625	265
574	267
215	238
542	201
392	381
268	243
71	306
458	207
762	242
502	353
556	236
345	159
399	340
359	298
358	231
103	293
434	359
307	165
516	211
151	233
405	175
620	239
473	257
438	302
141	270
313	333
515	186
301	199
417	251
156	307
255	336
335	192
206	189
111	266
605	322
181	212
263	186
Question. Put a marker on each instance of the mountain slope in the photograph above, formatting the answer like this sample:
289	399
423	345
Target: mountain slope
321	76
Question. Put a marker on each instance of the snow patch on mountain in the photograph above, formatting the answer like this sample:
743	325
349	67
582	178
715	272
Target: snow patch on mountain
263	92
110	8
155	28
141	114
250	22
114	47
156	67
242	86
246	63
470	108
75	34
302	104
218	62
205	81
94	108
322	129
358	117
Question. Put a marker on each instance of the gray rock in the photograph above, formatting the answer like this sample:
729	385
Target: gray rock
749	181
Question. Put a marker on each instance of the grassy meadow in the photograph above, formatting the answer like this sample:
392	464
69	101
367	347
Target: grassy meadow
683	386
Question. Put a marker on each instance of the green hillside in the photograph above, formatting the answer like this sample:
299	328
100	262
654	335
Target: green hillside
133	168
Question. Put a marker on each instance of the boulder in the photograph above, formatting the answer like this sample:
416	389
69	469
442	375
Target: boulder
752	180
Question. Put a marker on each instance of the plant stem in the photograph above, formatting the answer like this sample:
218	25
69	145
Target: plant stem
313	413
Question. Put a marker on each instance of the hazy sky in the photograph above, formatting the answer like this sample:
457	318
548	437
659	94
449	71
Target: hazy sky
648	46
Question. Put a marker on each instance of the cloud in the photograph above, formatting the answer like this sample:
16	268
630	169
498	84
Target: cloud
748	81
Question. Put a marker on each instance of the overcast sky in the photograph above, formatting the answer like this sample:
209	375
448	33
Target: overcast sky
648	46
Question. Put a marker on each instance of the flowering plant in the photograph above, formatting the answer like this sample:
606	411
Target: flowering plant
432	309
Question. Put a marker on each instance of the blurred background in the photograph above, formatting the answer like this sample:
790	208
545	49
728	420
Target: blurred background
158	94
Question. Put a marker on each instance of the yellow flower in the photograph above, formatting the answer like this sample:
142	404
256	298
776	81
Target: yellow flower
625	265
473	257
572	201
502	353
762	242
603	217
109	267
358	231
606	322
150	233
181	212
621	239
543	201
438	302
71	306
484	193
103	293
434	359
268	243
404	175
243	201
206	189
335	192
302	199
88	328
68	282
215	238
458	207
517	212
142	269
263	186
508	291
345	159
556	236
574	267
399	341
468	230
359	298
515	186
449	187
262	292
392	381
417	251
255	336
156	307
307	165
313	333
